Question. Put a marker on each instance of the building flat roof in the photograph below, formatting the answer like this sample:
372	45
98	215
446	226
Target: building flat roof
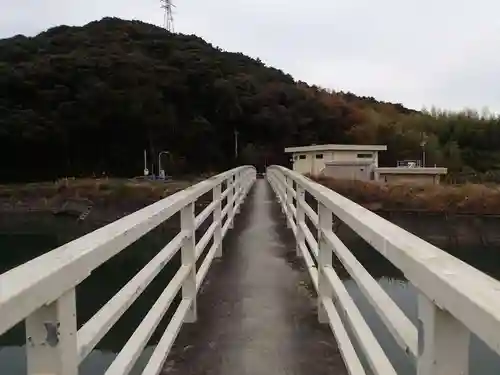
417	170
333	147
348	162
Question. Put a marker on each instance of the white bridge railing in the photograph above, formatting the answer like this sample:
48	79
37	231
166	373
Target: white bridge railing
454	299
42	291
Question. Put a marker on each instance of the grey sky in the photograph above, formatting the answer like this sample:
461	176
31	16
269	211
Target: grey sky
419	53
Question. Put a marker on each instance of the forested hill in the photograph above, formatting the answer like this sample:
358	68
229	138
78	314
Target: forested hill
83	100
86	100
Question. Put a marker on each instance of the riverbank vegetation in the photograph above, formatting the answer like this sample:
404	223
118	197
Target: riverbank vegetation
466	199
82	101
104	192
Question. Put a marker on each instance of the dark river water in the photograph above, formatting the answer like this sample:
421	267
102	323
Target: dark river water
16	248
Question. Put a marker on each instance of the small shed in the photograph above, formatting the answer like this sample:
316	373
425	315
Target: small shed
313	159
411	175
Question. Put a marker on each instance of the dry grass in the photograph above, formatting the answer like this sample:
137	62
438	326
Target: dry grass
107	191
468	198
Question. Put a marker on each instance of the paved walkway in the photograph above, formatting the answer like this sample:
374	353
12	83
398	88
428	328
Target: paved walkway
256	316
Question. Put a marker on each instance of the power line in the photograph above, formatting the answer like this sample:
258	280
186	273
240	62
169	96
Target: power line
168	22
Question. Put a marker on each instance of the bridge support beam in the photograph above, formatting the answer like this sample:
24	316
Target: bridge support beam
325	255
189	259
443	341
51	346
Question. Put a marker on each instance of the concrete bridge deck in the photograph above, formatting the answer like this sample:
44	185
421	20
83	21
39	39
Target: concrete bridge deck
256	315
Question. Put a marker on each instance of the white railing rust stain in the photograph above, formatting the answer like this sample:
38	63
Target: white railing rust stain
42	291
454	300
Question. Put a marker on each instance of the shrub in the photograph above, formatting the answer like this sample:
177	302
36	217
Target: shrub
467	198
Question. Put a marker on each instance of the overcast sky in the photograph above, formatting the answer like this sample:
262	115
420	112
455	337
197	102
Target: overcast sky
417	52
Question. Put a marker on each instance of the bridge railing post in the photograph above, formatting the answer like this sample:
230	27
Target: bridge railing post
241	187
272	180
230	203
443	341
188	254
289	199
301	218
325	255
284	184
275	181
51	338
244	176
236	191
217	217
281	194
247	182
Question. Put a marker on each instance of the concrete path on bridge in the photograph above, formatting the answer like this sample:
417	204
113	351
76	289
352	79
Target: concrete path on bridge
256	316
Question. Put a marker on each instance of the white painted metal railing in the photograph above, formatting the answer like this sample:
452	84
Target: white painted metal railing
42	291
454	299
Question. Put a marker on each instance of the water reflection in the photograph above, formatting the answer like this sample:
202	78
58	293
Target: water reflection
482	359
106	281
13	361
92	294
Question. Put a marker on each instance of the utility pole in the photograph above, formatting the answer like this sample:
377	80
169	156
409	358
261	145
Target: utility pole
422	144
235	144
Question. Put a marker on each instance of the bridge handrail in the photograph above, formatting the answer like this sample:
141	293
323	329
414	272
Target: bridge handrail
455	298
43	290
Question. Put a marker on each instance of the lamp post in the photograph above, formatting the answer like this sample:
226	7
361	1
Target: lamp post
422	144
161	172
146	171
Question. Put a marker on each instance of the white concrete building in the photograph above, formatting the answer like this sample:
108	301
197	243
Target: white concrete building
313	159
411	175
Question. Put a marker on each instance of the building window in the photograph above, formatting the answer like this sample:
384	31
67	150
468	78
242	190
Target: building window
365	156
319	156
302	157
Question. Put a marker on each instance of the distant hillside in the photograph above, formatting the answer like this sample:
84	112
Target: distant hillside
370	102
77	101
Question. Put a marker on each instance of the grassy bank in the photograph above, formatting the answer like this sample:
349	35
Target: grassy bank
106	192
467	199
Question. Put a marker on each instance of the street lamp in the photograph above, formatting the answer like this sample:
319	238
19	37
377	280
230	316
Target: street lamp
146	171
422	144
161	172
